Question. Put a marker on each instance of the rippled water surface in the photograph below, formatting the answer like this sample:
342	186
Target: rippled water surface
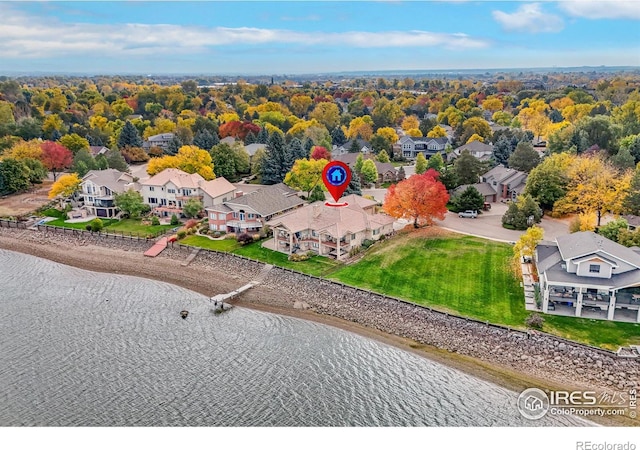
82	348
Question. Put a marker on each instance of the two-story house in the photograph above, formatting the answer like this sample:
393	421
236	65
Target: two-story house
387	172
411	146
330	231
478	149
98	188
586	274
158	140
508	183
362	145
216	191
167	191
249	212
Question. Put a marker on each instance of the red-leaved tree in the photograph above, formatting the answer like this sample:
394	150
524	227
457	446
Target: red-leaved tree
422	198
238	129
319	152
56	157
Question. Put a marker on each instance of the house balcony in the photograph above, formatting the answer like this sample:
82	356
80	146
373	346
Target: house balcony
184	198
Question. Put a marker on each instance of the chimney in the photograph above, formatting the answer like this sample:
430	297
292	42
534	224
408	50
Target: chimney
238	194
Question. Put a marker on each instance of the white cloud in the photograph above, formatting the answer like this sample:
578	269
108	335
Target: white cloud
602	9
529	18
22	36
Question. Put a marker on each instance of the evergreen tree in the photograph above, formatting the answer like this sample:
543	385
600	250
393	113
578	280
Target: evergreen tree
502	150
470	198
55	136
101	162
94	140
369	172
358	165
204	139
436	162
383	157
354	185
632	201
524	157
623	159
14	176
83	162
250	138
263	136
174	145
634	149
467	168
116	161
129	136
401	174
337	136
308	146
224	161
296	149
354	147
277	161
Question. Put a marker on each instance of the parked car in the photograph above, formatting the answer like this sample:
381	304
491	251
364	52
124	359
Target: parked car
468	213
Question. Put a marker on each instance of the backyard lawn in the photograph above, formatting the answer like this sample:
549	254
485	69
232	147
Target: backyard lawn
471	277
316	265
77	225
125	226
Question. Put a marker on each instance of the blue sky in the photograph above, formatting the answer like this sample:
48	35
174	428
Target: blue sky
292	37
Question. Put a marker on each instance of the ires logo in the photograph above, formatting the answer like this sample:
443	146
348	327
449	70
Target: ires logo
534	403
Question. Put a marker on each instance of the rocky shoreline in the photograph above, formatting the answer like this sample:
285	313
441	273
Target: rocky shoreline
535	356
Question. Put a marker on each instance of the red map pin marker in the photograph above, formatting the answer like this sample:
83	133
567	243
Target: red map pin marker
336	176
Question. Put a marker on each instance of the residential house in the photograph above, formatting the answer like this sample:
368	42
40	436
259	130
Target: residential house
363	147
330	231
98	188
411	146
508	183
253	148
167	191
478	149
633	222
216	191
488	192
586	274
158	140
249	212
96	150
387	173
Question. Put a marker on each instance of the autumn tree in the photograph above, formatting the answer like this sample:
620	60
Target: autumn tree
526	245
190	159
65	186
56	158
421	198
319	152
383	157
595	186
305	175
421	164
437	132
328	114
547	183
300	104
25	149
74	142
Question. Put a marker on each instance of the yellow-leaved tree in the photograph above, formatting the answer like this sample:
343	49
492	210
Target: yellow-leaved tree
595	186
306	174
65	186
25	149
189	158
437	132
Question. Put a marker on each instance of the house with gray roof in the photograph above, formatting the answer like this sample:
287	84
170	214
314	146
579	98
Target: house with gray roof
478	149
587	275
411	146
98	187
158	140
249	212
508	183
488	192
387	172
344	149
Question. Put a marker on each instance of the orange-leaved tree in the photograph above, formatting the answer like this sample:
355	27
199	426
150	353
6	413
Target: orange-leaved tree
422	198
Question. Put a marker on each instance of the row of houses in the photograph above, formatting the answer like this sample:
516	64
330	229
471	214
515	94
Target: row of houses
243	208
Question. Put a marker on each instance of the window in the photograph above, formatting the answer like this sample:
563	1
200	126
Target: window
353	236
151	188
171	191
377	231
315	245
153	201
235	215
214	227
221	217
594	268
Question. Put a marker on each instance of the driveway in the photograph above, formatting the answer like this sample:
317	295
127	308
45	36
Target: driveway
489	225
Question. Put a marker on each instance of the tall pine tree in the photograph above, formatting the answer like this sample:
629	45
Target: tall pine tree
297	150
129	136
263	136
174	145
502	150
250	138
354	185
338	137
204	139
277	161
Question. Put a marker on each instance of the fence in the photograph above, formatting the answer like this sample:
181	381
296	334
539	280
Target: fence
99	234
524	333
12	224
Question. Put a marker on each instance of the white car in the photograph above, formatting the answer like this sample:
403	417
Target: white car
468	213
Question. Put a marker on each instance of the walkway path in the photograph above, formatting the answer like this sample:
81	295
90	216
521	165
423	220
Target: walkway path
157	248
256	281
191	257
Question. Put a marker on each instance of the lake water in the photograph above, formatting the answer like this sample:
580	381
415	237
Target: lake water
79	348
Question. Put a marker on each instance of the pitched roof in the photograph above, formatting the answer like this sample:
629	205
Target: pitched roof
217	187
475	146
269	200
176	176
584	243
335	221
161	137
113	179
253	148
502	174
350	160
484	188
96	150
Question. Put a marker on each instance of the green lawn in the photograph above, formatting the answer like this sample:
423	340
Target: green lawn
110	225
223	245
135	226
77	225
317	265
470	277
